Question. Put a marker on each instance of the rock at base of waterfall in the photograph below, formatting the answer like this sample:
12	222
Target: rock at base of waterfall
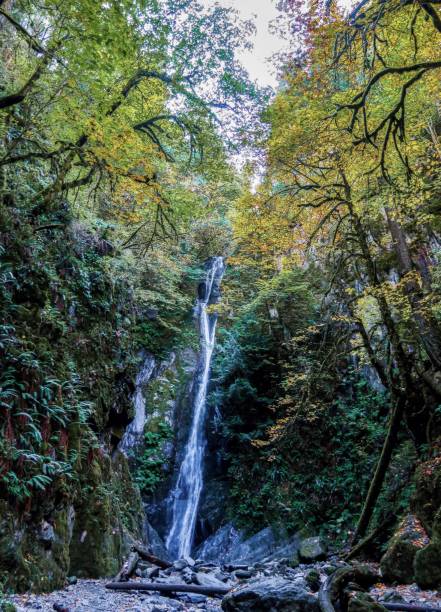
272	593
313	549
220	544
180	564
227	545
155	543
266	545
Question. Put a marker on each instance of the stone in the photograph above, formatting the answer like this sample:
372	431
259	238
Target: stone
193	598
219	546
72	580
392	596
165	603
151	572
188	575
312	579
190	562
266	545
155	542
427	566
426	500
313	549
46	534
243	574
180	564
208	580
397	564
273	593
362	602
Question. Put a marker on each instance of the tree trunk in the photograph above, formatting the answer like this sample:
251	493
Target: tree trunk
381	469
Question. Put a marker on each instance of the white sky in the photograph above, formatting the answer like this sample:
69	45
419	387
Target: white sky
262	12
266	44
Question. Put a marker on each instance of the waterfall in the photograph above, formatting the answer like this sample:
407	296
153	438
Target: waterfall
134	432
185	496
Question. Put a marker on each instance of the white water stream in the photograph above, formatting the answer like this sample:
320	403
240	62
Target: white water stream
186	494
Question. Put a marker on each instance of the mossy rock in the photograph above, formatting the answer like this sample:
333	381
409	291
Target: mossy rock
313	549
312	579
428	566
397	564
28	557
109	512
362	602
427	497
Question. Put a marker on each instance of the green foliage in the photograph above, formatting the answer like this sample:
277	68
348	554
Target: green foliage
302	430
149	470
5	604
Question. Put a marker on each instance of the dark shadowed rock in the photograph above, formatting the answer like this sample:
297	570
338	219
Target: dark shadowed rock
272	593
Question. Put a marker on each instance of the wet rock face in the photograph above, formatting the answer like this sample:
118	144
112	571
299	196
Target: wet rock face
397	564
218	546
167	398
228	545
272	593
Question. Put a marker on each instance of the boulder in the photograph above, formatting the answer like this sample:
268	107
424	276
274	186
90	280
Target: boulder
397	564
426	504
155	542
208	580
266	545
219	546
180	564
428	566
312	579
362	602
426	499
273	593
313	549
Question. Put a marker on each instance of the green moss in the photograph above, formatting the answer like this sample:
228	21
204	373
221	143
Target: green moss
109	509
428	566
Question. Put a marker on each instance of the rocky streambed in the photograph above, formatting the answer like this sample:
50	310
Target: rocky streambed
266	586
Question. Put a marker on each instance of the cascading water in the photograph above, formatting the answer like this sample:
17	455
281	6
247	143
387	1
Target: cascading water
186	494
134	432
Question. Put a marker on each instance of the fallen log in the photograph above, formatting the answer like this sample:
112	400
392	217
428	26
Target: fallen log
145	554
405	607
168	588
128	567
